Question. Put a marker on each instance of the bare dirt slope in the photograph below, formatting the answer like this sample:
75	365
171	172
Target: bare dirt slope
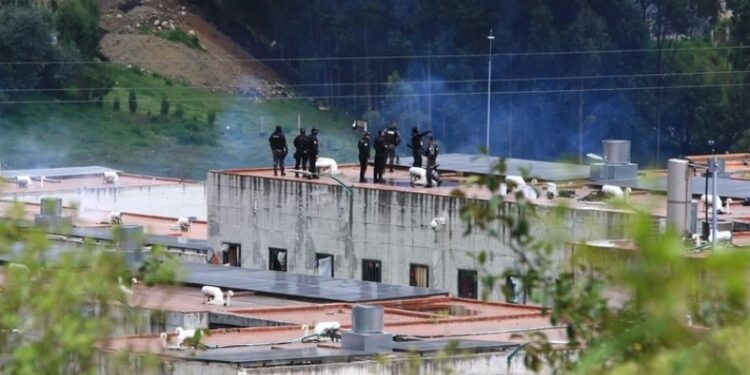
130	38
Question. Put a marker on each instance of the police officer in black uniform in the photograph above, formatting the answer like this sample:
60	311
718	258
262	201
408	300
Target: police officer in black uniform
312	140
364	153
279	150
380	155
392	140
431	152
416	145
301	151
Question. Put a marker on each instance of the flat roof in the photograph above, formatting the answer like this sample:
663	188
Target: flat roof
105	234
298	285
89	181
479	164
57	172
726	187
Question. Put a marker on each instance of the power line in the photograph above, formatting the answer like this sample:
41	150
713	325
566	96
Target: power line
400	57
425	82
444	94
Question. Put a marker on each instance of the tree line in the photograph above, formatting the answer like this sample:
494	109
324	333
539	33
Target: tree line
670	79
42	46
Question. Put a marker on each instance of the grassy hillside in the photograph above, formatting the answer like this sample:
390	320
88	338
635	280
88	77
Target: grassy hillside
62	134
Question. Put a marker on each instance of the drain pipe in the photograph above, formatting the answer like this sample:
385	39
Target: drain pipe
713	167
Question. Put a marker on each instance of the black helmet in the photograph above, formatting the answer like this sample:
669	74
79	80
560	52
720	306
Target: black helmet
314	131
302	131
367	134
278	128
415	130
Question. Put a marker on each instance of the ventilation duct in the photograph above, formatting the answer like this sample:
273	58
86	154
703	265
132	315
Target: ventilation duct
679	194
51	216
130	242
616	164
367	330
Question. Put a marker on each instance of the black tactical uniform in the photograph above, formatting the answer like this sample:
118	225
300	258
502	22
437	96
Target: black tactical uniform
431	152
392	140
312	140
279	150
416	145
380	151
301	151
364	153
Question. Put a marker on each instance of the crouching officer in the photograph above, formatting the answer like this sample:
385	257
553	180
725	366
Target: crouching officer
431	152
364	154
301	151
279	150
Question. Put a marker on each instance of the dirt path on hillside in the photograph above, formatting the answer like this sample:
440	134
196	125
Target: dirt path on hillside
222	64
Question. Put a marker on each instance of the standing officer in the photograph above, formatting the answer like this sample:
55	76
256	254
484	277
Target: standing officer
379	168
416	145
392	140
314	148
301	151
364	153
431	152
279	150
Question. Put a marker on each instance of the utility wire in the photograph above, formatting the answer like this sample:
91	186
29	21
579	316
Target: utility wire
401	57
470	93
415	83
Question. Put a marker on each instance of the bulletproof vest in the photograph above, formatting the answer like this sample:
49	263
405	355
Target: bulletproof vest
277	140
416	141
391	136
432	150
301	142
364	147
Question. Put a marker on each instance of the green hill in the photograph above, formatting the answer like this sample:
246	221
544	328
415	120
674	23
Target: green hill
55	134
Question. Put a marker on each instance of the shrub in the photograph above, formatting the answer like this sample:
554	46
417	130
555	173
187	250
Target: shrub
211	118
132	102
164	106
179	112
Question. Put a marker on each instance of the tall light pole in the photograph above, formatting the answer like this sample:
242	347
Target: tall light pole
490	37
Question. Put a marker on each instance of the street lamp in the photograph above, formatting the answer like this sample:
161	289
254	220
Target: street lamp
490	37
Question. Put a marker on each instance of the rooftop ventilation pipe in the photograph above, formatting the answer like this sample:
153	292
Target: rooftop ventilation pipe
367	330
616	151
51	216
679	193
130	241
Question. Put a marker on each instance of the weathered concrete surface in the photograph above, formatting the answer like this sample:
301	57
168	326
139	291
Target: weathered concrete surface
484	363
174	200
390	226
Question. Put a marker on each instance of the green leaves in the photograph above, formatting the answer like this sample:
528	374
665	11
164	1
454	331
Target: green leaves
56	307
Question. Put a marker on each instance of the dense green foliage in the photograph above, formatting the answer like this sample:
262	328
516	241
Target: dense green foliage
78	26
57	306
662	308
180	36
539	106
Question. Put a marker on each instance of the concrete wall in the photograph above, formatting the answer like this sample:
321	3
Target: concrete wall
484	363
160	200
393	227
